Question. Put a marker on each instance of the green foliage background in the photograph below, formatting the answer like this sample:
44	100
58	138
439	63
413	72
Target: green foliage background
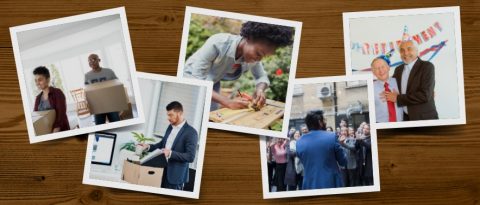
202	27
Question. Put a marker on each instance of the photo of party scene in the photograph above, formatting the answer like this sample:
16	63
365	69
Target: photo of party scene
249	63
77	74
161	153
329	142
410	60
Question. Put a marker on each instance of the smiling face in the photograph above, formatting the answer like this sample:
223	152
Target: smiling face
297	135
344	131
408	51
94	61
254	51
42	82
380	69
304	130
351	131
366	130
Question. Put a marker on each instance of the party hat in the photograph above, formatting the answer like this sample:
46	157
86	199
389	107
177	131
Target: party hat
405	36
387	56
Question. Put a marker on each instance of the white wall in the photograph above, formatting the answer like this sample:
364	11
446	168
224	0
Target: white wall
385	29
67	48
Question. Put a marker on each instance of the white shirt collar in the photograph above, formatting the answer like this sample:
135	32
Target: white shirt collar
410	65
179	126
381	82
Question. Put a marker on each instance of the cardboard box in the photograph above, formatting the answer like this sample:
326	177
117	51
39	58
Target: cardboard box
142	175
106	96
43	121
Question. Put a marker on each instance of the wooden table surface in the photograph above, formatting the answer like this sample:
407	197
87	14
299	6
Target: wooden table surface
436	165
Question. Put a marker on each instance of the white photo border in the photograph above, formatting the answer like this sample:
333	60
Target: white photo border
23	88
343	190
201	150
293	63
461	120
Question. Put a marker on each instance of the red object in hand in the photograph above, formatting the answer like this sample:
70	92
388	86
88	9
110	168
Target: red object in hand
245	96
278	72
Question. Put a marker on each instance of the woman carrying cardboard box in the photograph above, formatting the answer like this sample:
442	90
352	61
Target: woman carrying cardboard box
50	98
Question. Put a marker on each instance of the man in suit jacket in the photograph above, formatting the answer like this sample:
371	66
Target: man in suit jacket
416	80
320	154
179	146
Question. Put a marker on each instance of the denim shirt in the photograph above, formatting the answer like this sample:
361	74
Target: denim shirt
215	60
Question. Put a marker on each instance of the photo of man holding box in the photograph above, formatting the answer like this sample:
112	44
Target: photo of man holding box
99	74
179	146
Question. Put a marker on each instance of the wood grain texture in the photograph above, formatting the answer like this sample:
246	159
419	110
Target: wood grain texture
437	165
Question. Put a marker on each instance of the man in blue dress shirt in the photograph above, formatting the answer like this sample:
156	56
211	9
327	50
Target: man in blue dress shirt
385	111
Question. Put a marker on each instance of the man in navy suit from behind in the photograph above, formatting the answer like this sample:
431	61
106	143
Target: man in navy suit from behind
179	146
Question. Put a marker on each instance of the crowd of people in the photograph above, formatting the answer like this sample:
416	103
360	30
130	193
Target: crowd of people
317	156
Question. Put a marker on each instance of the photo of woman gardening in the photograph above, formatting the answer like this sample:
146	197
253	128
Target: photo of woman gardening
249	63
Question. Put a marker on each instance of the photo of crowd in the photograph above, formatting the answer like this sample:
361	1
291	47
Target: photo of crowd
353	158
329	143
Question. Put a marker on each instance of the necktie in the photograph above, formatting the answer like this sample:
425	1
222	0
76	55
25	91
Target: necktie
392	115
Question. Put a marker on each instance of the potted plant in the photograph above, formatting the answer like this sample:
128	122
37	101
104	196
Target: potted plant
132	145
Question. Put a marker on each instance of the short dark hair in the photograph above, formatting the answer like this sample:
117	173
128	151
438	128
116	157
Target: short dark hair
279	36
42	70
175	105
315	120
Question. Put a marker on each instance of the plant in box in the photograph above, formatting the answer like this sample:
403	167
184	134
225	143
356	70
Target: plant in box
132	145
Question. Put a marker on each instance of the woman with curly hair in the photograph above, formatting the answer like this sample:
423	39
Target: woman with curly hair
226	56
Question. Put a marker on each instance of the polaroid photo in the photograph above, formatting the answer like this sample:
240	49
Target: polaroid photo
165	154
77	75
415	56
250	59
332	143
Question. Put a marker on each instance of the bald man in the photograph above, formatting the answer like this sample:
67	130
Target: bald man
384	111
416	80
99	74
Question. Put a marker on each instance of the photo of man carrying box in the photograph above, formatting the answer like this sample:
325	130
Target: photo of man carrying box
96	75
84	76
179	147
165	154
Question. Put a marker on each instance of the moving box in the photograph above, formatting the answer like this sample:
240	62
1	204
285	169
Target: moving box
142	175
106	96
43	121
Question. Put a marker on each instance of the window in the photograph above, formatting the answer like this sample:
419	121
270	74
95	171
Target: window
355	84
298	90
